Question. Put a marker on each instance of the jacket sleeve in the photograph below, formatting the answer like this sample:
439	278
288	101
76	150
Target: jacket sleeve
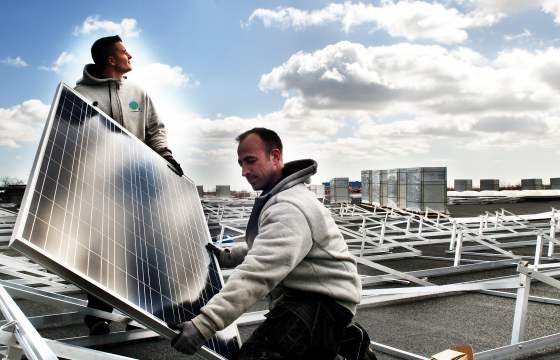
284	239
156	135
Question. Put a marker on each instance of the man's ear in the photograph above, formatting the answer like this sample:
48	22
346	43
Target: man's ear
276	156
111	60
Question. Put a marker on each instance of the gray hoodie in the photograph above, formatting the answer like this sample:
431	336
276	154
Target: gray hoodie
292	242
128	105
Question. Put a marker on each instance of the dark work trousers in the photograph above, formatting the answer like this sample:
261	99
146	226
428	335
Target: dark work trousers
301	325
96	303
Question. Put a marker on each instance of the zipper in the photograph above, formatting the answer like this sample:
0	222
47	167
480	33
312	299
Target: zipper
119	118
110	100
119	104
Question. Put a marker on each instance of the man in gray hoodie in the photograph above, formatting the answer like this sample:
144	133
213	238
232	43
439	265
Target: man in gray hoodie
104	84
294	253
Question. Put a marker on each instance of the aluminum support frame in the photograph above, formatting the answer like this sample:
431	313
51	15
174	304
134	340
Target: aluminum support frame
26	336
521	303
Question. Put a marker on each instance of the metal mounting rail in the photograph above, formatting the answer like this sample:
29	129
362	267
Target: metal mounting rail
27	337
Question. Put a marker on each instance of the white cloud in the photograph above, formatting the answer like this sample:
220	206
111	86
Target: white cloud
523	35
62	59
22	123
511	124
157	77
291	17
409	78
506	7
212	136
93	24
552	7
16	62
409	19
348	105
401	101
206	147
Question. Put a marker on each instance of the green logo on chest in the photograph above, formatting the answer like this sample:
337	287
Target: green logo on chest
133	105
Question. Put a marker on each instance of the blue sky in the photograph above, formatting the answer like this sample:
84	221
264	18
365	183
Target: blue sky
473	85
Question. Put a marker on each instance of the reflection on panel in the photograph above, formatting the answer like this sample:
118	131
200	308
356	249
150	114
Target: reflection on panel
109	210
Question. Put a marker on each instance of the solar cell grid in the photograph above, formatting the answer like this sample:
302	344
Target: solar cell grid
106	211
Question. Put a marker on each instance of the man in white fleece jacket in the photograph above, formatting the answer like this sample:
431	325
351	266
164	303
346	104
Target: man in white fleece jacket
294	253
104	84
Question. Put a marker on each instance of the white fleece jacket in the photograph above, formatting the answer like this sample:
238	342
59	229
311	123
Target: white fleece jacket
298	246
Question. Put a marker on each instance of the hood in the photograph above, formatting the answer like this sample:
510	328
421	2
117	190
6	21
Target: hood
90	77
293	173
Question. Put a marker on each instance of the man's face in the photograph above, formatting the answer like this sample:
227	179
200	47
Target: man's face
259	168
120	60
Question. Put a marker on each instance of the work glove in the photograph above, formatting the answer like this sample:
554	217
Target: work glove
219	252
189	340
215	250
175	164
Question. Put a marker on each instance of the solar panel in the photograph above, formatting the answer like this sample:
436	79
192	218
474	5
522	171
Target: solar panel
106	212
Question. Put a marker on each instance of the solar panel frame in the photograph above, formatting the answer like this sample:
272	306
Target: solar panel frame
41	256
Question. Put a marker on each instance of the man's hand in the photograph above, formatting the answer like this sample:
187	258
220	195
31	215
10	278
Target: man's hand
214	249
219	252
175	164
189	340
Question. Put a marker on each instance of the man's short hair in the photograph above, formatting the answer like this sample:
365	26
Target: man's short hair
269	137
103	48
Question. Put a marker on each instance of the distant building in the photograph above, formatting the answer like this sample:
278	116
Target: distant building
339	191
426	187
407	188
366	186
531	184
355	185
396	188
489	184
379	188
223	191
462	185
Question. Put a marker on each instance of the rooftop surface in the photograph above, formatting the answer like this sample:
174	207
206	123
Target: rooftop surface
420	326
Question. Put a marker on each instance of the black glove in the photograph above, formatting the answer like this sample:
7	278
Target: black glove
216	250
189	340
175	164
